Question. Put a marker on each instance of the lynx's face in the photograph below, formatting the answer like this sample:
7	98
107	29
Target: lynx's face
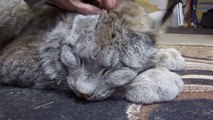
91	80
101	57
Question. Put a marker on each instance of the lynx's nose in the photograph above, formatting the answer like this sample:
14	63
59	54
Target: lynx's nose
84	89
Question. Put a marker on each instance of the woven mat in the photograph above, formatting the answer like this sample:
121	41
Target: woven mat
196	100
194	103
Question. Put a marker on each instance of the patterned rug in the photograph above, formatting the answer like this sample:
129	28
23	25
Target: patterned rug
194	103
196	100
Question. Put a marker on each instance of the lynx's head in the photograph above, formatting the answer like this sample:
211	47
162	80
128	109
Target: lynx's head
106	52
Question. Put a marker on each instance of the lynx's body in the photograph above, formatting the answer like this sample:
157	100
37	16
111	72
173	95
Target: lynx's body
93	56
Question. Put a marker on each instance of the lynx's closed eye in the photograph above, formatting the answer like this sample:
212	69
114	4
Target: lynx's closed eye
80	61
68	57
105	71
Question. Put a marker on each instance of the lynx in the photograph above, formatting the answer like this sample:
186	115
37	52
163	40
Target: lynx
93	56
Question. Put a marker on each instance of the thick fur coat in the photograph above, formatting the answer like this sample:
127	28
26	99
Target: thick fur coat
93	56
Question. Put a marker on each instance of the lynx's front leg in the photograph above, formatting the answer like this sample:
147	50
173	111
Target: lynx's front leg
154	85
169	58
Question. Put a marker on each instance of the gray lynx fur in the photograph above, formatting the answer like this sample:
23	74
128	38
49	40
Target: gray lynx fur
94	56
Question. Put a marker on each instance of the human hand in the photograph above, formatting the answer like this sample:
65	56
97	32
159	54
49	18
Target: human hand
83	6
109	4
77	6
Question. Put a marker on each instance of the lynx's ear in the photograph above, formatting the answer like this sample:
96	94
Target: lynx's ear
132	14
147	5
155	19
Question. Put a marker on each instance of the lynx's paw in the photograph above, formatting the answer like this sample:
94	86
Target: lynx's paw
169	58
154	85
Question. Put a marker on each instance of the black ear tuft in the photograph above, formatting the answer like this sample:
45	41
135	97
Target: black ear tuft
170	7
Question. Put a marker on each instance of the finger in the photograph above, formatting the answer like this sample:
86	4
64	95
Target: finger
116	2
108	4
99	2
86	8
